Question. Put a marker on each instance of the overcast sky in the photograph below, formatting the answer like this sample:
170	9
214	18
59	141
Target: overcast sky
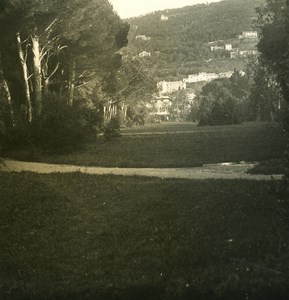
133	8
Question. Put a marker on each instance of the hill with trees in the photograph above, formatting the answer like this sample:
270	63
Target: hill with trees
178	40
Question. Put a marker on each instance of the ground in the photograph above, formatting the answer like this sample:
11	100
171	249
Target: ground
81	236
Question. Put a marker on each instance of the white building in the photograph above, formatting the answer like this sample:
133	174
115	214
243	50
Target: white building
228	47
164	18
160	107
144	54
243	53
216	48
227	74
248	35
168	87
199	77
203	76
143	37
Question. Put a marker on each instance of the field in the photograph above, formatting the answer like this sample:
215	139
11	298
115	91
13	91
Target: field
177	145
75	236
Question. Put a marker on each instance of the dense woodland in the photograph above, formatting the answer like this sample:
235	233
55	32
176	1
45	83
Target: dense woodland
56	61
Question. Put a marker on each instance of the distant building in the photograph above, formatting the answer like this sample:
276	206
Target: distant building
143	37
248	35
243	53
227	74
199	77
203	76
160	108
246	53
216	48
168	87
228	47
164	18
144	54
234	54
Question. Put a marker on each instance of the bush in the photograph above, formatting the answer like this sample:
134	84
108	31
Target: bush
218	106
59	129
112	128
137	114
62	128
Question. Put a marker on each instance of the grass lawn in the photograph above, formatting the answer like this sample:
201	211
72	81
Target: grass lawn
74	236
176	145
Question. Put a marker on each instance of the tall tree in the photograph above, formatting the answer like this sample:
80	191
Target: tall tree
93	33
6	91
273	24
63	46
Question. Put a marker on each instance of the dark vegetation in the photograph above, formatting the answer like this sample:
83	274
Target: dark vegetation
225	101
56	59
60	129
273	22
245	96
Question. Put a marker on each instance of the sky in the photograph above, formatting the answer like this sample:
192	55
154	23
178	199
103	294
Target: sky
133	8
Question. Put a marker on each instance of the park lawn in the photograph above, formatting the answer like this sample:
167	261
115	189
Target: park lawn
175	145
75	236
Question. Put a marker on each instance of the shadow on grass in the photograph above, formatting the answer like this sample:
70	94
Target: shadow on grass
160	293
268	167
75	236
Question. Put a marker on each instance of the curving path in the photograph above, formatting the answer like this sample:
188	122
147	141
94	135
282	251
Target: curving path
210	171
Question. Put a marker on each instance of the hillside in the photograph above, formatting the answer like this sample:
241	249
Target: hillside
177	41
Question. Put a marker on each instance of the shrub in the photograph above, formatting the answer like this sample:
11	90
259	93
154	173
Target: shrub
60	128
112	128
218	106
63	128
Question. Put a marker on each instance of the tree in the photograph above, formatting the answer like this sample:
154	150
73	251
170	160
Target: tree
57	50
5	91
134	89
273	24
93	34
266	101
221	102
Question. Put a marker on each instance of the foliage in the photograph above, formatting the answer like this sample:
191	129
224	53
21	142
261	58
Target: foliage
221	102
60	128
137	114
68	48
112	128
273	22
266	100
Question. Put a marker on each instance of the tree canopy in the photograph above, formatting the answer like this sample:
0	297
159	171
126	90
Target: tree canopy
63	48
273	24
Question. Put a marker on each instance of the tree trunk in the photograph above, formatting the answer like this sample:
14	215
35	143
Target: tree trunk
45	86
37	75
7	92
71	84
25	76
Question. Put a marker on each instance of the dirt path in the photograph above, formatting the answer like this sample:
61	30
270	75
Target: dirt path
212	171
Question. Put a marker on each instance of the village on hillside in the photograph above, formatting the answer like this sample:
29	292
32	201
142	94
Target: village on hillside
166	104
